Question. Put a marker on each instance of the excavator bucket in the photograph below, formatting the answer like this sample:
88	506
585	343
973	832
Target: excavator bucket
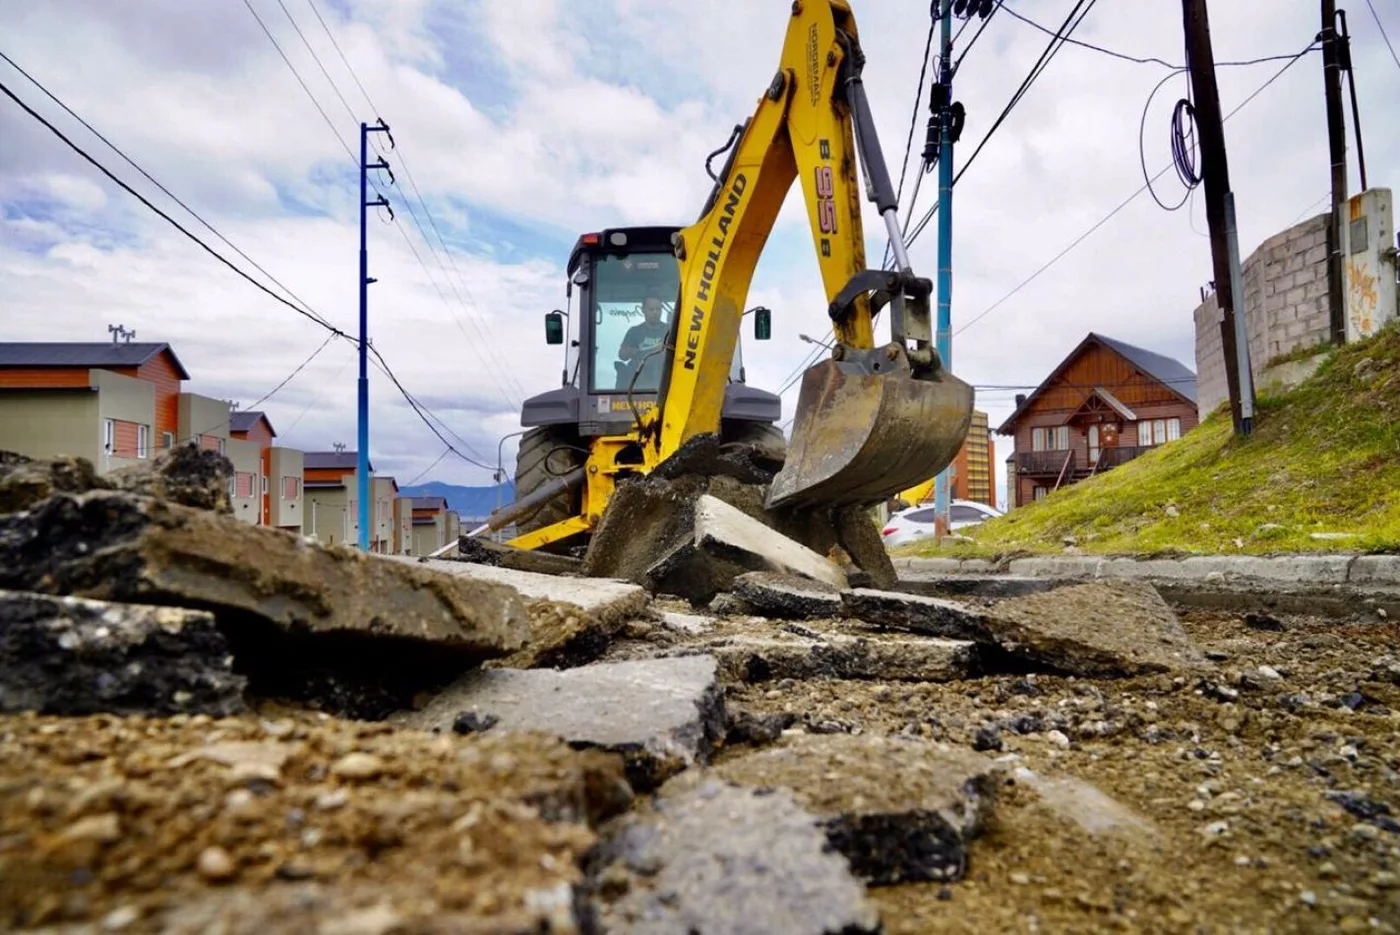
867	429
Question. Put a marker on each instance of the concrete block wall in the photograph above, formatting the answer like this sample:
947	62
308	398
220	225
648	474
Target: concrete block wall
1285	306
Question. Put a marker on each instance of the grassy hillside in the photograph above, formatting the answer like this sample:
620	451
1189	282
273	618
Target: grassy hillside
1324	458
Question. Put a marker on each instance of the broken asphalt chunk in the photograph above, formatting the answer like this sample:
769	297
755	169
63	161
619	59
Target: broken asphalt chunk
122	547
900	810
69	656
661	715
1102	629
717	858
896	610
787	596
918	659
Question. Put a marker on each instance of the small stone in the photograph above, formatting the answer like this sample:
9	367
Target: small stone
472	722
986	738
1058	738
1020	878
1307	898
1215	829
1364	832
1196	805
215	864
122	917
1269	672
358	766
330	801
104	829
1384	879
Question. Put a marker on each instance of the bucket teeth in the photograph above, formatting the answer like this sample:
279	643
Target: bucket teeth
860	437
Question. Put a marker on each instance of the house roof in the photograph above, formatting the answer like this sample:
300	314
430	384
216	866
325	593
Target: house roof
99	354
335	460
1170	373
430	503
244	421
1173	373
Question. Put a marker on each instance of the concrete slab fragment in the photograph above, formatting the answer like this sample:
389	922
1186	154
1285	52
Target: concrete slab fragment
787	596
900	810
609	600
660	715
900	611
916	659
716	858
297	615
486	552
727	543
69	656
1103	628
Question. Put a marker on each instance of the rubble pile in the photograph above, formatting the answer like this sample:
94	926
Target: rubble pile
211	726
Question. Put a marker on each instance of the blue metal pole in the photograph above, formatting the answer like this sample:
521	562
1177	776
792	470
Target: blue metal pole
362	465
943	339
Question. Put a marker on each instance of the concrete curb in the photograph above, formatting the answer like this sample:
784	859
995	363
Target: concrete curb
1295	570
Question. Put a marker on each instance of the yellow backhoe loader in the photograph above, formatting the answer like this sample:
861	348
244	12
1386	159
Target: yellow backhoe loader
871	420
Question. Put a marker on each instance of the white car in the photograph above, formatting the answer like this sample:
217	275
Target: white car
917	522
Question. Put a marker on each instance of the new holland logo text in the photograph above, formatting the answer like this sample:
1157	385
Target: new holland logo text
704	292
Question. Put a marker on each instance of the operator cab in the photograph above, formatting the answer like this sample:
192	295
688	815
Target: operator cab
627	282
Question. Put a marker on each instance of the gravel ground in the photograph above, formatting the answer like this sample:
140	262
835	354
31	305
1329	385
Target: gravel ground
1260	797
1264	799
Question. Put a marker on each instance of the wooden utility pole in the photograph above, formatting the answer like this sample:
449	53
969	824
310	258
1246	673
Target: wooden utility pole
1337	147
1216	176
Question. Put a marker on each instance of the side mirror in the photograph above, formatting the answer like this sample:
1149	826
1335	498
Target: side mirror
762	324
554	327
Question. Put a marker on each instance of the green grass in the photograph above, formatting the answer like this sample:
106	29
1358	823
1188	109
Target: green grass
1324	457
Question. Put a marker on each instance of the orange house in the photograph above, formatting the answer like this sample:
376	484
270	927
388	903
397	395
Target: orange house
282	469
113	403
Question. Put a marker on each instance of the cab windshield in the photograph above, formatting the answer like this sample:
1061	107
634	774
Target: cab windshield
634	299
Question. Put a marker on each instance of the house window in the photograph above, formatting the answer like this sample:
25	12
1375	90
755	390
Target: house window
1158	432
109	435
1040	492
264	484
291	487
244	484
1050	438
143	441
167	440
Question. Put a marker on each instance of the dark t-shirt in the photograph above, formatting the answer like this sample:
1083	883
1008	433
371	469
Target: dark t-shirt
644	336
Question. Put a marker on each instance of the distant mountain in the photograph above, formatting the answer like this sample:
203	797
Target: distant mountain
469	502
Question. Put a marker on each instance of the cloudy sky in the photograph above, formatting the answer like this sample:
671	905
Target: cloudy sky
523	123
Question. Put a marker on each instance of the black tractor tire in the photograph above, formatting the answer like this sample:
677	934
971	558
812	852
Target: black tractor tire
546	453
765	438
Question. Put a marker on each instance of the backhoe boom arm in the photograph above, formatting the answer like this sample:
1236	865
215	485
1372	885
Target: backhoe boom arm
811	125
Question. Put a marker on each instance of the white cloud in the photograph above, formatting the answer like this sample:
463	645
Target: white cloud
533	113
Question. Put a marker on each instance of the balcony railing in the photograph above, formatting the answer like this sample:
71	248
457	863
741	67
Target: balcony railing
1112	457
1043	462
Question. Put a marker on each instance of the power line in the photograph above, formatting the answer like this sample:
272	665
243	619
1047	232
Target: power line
1123	204
330	35
291	376
495	365
317	59
150	178
296	74
424	473
305	313
1381	27
423	411
1066	28
1150	60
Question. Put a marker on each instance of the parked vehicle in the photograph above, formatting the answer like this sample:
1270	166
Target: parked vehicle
917	522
